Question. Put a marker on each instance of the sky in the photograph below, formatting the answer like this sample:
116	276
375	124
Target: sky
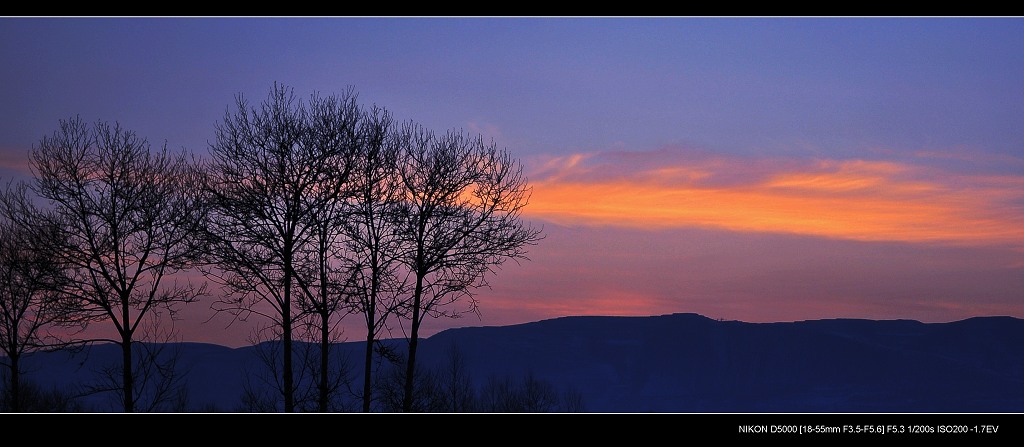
753	169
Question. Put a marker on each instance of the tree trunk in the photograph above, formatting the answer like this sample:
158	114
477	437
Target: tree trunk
410	369
126	373
371	326
325	347
368	364
286	343
15	382
286	331
127	378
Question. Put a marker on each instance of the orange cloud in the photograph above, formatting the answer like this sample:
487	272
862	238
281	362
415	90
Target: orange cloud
849	199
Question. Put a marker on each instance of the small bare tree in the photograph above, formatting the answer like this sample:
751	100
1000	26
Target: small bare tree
460	221
528	395
31	281
126	218
456	383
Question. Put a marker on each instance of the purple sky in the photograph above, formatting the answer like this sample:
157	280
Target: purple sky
750	169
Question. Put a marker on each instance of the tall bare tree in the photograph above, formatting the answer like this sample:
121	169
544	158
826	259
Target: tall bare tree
127	217
31	281
461	220
275	171
375	280
334	130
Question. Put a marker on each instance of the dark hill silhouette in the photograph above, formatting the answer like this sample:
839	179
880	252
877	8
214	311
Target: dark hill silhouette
689	363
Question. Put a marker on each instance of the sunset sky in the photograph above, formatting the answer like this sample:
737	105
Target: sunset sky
756	169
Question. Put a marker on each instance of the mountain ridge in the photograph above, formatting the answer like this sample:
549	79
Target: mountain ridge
688	363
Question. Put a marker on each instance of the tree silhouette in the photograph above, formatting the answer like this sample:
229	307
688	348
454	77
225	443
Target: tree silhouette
460	221
375	282
31	282
125	218
334	129
277	174
448	387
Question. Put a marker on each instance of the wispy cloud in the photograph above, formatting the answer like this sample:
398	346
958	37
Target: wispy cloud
871	200
14	163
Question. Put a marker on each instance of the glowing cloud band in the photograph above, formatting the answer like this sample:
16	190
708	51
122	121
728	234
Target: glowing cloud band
848	199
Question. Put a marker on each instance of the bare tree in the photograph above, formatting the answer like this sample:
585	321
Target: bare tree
527	395
126	219
456	382
276	172
375	281
333	131
461	221
448	387
31	280
39	399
